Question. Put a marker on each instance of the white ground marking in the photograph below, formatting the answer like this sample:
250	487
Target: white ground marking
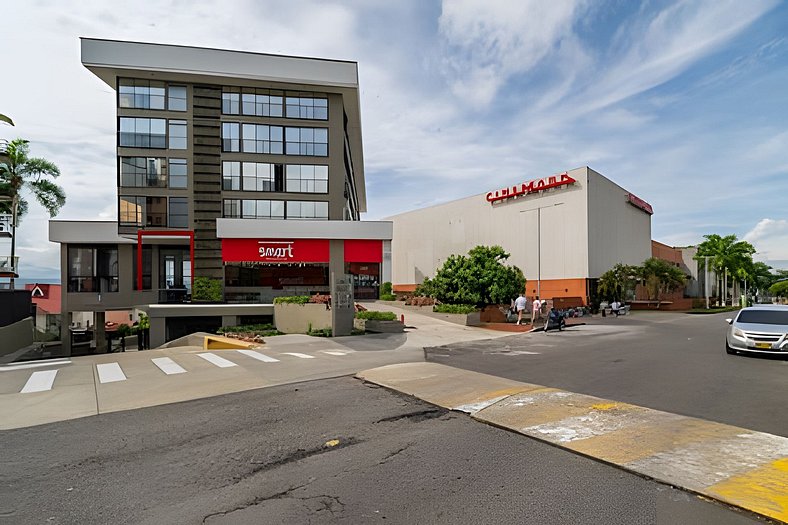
48	362
221	362
168	366
39	381
472	408
302	356
257	355
333	352
110	373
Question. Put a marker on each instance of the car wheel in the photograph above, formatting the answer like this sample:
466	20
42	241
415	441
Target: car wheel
729	350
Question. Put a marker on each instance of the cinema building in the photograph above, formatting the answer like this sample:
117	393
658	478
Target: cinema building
562	230
239	167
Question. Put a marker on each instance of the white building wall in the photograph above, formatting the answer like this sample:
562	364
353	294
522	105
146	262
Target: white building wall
424	239
618	232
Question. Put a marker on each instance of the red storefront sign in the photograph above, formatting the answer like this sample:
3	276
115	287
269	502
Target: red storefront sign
640	203
275	250
532	186
363	251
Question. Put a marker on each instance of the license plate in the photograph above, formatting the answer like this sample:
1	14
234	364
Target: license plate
763	345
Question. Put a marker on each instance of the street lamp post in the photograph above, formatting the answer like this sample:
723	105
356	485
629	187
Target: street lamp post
539	244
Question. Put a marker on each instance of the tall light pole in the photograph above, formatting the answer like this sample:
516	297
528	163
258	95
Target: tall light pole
539	244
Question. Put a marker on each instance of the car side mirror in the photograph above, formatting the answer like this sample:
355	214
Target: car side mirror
729	321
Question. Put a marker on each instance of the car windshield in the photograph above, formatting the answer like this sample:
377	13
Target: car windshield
763	317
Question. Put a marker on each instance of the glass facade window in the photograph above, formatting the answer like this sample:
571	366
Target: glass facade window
261	104
142	172
231	134
179	173
307	141
302	178
178	212
93	269
178	134
176	98
232	208
261	138
312	210
143	132
142	211
262	209
140	94
231	175
147	267
258	176
231	103
307	108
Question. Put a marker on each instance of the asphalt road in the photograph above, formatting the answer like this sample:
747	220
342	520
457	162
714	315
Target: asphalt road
260	457
671	362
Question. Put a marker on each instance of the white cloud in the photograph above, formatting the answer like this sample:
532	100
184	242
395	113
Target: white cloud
491	41
770	238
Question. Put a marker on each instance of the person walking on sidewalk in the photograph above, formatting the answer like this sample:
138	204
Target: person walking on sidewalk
536	307
519	305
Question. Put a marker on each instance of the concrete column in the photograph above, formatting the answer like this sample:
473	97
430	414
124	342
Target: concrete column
158	332
99	335
229	320
65	333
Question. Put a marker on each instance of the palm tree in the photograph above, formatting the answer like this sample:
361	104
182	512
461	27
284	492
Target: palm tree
20	171
727	254
5	119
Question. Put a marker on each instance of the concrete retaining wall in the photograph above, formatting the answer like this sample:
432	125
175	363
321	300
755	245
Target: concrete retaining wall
16	335
298	318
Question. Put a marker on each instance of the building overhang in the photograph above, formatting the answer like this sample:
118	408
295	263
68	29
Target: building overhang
86	232
293	229
110	59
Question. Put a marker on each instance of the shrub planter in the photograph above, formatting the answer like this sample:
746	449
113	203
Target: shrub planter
471	319
380	327
292	318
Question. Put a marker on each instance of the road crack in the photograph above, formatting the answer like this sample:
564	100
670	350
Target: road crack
420	415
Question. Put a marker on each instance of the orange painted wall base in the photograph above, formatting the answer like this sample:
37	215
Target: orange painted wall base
552	288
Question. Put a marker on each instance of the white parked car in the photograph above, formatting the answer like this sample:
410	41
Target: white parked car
759	329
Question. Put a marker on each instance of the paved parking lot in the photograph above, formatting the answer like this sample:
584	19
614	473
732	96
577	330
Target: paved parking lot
666	361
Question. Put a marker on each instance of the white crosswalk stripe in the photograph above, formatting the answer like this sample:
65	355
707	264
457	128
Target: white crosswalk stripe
168	366
39	381
216	360
257	355
110	373
302	356
334	352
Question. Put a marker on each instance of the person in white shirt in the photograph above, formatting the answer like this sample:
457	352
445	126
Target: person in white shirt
519	305
615	306
536	307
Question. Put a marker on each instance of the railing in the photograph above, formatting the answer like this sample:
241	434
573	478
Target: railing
174	295
7	265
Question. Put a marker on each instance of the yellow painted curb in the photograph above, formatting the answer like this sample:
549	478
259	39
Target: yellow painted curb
729	464
217	342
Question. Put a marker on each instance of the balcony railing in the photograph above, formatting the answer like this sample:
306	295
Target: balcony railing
7	265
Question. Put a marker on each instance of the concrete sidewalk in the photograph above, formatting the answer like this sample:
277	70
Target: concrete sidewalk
733	465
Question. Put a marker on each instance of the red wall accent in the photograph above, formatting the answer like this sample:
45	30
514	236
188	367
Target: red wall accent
284	250
369	251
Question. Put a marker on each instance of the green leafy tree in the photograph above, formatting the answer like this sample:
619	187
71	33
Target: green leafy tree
660	277
618	282
779	289
18	172
480	278
726	256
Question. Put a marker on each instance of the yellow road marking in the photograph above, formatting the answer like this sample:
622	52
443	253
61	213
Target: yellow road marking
763	490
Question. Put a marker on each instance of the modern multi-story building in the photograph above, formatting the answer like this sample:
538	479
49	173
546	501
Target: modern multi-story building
241	167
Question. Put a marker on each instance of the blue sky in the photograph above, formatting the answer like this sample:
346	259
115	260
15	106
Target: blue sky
683	103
